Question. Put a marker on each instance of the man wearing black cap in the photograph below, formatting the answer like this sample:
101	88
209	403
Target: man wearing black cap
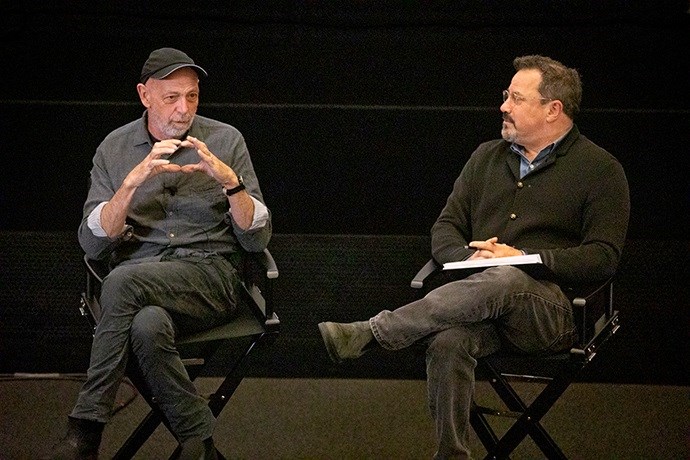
173	197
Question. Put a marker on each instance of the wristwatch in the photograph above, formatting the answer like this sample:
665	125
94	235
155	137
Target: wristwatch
239	188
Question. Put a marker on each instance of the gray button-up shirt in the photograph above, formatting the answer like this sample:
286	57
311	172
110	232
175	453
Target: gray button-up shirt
172	210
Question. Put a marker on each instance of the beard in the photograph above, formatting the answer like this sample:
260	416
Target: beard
170	129
508	132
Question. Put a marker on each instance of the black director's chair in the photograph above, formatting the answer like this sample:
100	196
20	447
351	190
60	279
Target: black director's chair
256	324
596	322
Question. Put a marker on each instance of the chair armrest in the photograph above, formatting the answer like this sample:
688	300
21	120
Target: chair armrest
593	308
269	264
260	265
598	290
95	268
96	271
427	270
260	270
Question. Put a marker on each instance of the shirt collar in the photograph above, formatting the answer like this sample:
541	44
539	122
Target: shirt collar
527	166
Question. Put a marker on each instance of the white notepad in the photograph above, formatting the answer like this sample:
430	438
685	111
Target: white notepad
529	259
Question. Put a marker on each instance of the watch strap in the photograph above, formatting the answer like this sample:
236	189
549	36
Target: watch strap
232	191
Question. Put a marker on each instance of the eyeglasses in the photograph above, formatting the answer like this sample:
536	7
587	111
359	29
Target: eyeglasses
519	98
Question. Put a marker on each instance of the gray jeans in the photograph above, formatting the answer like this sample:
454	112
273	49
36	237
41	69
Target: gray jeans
468	319
144	306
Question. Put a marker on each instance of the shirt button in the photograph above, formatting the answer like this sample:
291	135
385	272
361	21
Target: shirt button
171	235
513	216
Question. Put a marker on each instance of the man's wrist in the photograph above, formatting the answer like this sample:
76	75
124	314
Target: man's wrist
230	189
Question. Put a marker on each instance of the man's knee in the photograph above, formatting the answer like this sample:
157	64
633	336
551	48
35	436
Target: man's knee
152	327
120	283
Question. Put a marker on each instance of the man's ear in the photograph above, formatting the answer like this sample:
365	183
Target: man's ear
143	95
555	110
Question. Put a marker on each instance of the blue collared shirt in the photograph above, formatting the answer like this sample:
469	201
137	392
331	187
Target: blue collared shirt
527	166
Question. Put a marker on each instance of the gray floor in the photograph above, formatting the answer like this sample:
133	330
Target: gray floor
359	419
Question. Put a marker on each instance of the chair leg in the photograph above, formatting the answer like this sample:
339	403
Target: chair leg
232	380
217	402
483	429
138	437
529	422
226	389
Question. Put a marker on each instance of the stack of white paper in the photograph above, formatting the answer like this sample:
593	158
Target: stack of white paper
478	263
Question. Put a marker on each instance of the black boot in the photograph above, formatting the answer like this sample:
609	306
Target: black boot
81	442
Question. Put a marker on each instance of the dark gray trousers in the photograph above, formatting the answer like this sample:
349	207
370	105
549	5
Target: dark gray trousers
468	319
144	307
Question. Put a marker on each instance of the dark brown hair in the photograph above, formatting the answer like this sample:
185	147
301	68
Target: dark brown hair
557	81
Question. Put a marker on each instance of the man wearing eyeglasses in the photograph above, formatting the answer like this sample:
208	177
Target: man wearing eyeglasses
542	189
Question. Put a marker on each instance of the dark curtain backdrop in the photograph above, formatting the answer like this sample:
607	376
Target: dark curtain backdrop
358	116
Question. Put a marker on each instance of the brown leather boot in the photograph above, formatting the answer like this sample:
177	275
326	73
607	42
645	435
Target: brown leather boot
81	442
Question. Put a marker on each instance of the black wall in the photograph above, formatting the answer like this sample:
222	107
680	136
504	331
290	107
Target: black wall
358	115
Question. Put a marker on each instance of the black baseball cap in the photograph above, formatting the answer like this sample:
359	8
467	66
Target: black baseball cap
164	61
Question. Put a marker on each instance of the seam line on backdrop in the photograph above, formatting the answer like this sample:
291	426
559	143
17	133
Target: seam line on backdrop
247	105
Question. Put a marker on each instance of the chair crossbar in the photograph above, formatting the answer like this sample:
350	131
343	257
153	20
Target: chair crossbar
528	417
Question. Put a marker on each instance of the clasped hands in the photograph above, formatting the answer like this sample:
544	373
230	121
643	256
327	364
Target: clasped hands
491	248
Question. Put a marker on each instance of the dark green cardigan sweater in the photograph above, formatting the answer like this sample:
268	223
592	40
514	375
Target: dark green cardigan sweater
573	209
